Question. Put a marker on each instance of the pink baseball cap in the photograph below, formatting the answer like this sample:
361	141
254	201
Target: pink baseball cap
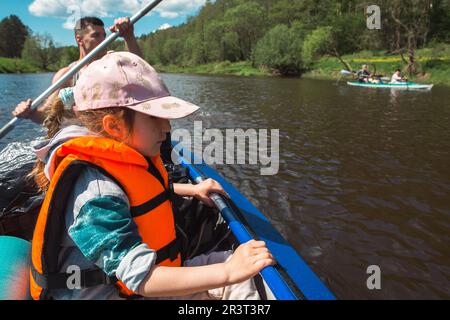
122	79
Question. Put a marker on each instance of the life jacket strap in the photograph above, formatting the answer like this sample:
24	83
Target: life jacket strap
152	204
169	251
88	278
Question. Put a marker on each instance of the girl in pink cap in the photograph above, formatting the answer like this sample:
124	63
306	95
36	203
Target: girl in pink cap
106	229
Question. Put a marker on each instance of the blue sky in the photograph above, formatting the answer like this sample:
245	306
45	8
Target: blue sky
55	16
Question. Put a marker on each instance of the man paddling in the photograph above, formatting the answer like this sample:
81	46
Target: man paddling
89	33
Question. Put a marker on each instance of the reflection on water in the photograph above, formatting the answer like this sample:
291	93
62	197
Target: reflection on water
364	176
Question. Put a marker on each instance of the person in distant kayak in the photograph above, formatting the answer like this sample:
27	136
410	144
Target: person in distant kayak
397	77
108	208
89	33
364	74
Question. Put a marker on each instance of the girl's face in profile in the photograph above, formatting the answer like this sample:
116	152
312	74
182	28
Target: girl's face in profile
148	134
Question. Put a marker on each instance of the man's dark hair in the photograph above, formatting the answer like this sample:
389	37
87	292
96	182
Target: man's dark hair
398	70
83	23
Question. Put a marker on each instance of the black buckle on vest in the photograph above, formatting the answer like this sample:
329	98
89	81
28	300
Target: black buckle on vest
170	251
150	205
88	278
95	277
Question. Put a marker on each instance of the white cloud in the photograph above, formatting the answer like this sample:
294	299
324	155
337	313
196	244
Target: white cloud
175	8
169	14
165	26
68	9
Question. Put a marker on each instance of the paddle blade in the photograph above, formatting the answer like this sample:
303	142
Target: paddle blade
345	72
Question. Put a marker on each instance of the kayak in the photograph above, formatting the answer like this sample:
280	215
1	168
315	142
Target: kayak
290	279
399	86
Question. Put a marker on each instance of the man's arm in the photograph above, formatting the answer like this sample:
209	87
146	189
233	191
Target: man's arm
23	109
133	46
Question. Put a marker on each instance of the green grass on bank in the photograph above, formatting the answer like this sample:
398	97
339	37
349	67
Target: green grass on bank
433	65
8	65
243	68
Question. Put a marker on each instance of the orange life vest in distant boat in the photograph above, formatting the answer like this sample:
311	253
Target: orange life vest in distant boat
146	184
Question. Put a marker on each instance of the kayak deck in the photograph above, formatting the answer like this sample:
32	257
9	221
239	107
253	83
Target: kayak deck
401	86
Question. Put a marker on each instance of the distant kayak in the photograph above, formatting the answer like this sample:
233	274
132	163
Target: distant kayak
399	86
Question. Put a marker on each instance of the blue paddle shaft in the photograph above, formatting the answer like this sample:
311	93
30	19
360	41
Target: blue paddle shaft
279	289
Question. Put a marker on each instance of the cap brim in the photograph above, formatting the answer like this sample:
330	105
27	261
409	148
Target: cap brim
167	108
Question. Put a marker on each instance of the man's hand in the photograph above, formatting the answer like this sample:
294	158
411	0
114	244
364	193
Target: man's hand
126	30
23	109
124	26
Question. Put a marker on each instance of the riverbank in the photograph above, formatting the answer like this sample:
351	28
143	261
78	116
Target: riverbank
242	68
433	65
8	65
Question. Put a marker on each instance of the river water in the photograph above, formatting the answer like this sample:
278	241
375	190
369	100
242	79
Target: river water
364	176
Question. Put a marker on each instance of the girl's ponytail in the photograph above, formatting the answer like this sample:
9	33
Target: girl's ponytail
56	114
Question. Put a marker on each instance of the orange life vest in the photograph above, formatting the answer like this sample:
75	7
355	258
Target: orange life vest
146	185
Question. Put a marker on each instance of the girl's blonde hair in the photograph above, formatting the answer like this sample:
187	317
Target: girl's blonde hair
91	119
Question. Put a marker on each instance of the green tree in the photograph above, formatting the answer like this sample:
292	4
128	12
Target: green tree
280	49
246	20
12	36
320	42
67	55
39	50
214	44
231	46
286	12
172	50
317	43
440	21
412	19
343	36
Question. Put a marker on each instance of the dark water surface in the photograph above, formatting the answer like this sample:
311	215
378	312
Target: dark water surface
364	174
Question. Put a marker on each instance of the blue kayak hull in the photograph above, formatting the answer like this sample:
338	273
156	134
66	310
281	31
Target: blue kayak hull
398	86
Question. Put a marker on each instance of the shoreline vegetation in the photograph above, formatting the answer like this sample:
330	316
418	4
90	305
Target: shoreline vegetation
17	65
433	63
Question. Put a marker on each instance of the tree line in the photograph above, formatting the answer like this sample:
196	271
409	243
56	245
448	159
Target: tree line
288	35
284	35
18	41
